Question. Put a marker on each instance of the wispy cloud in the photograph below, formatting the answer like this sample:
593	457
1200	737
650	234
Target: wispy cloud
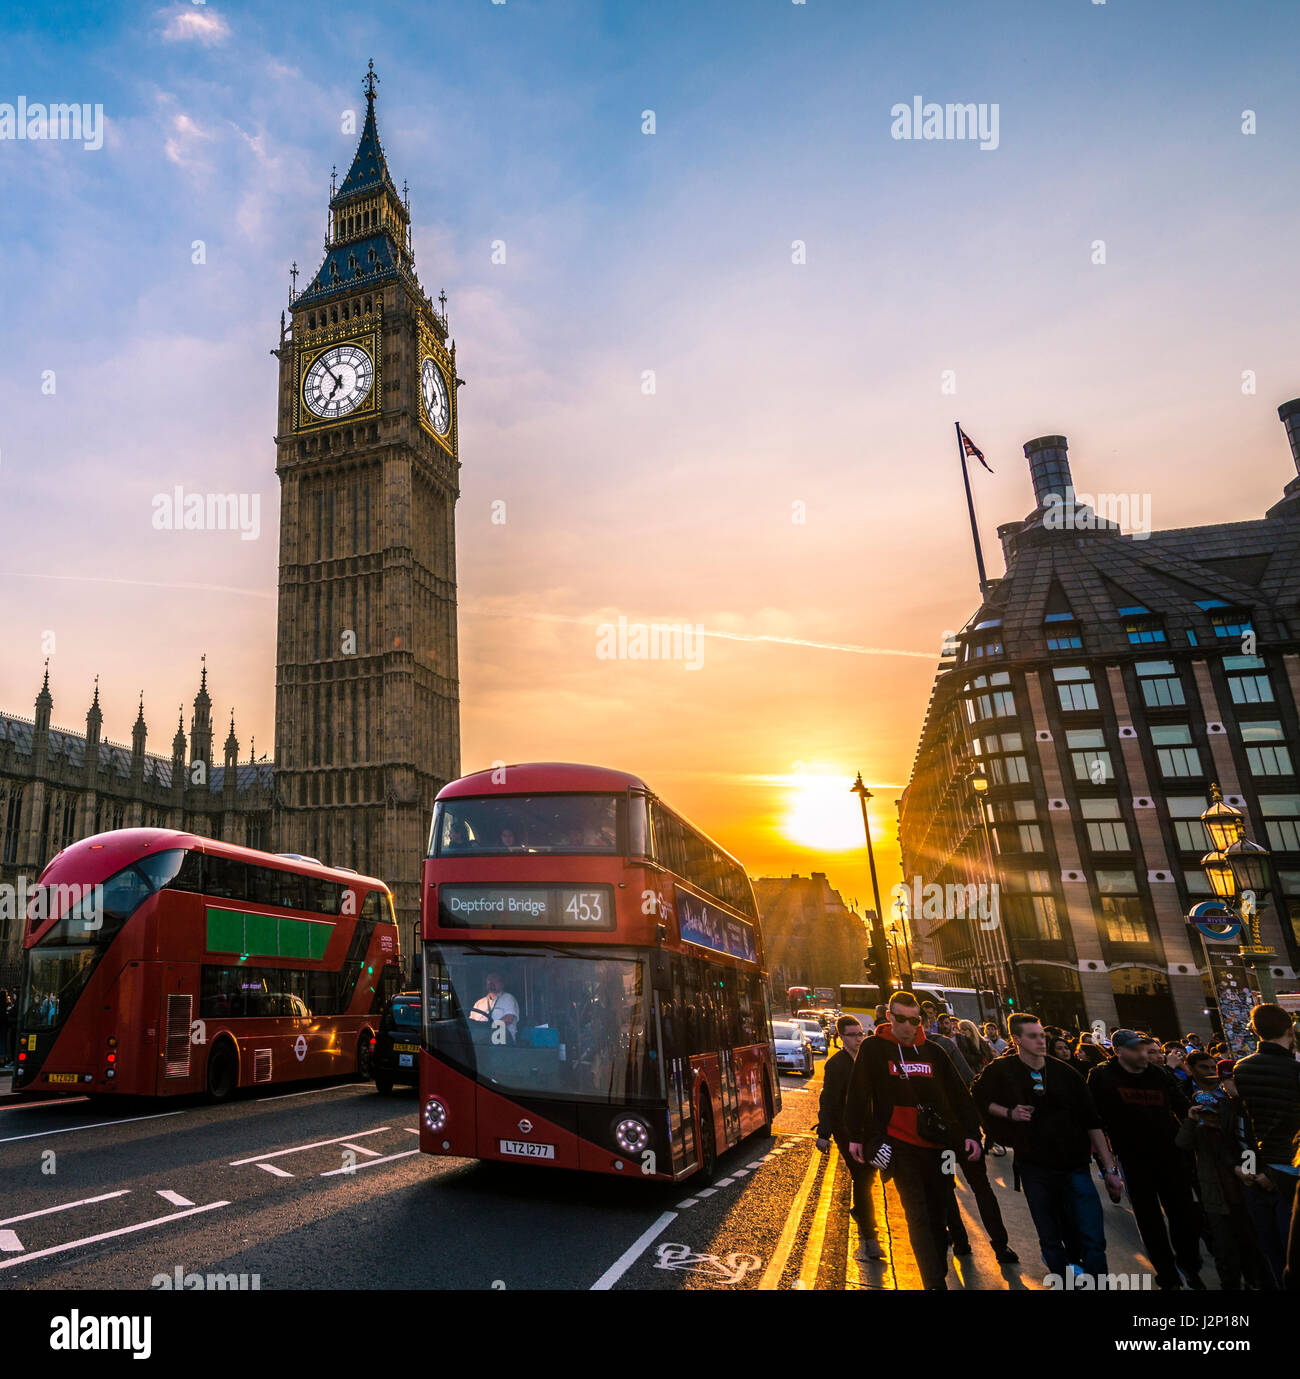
852	648
195	26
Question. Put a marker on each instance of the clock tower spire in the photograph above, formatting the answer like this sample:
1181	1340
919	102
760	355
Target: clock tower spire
367	718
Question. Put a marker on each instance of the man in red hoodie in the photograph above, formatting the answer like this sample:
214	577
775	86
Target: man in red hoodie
906	1108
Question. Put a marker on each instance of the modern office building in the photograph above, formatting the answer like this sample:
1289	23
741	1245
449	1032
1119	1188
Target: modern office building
1075	726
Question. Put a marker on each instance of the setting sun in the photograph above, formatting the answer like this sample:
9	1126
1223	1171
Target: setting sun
823	813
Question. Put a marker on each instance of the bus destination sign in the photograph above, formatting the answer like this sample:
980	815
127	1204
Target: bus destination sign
526	907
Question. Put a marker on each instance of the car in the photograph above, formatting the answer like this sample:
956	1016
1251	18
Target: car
395	1048
823	1017
793	1051
816	1033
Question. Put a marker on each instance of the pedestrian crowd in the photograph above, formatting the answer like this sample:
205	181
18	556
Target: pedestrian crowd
1205	1146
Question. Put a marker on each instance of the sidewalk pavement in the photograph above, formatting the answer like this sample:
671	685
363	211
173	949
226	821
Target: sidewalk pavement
979	1270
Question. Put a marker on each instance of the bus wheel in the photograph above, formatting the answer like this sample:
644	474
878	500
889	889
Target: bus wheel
708	1144
363	1057
223	1073
767	1129
384	1083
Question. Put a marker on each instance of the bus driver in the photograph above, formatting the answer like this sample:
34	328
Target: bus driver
498	1006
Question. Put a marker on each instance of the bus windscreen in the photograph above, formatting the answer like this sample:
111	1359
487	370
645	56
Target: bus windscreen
568	824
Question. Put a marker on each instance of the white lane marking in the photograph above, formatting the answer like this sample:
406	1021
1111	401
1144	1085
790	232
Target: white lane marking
300	1148
174	1198
53	1101
689	1202
740	1172
706	1192
724	1182
361	1149
629	1256
97	1125
65	1206
371	1163
109	1235
279	1172
9	1242
311	1091
411	1130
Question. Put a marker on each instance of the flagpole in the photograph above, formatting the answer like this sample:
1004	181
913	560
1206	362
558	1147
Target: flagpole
970	508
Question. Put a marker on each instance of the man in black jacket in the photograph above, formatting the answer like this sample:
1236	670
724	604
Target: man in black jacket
1040	1107
830	1126
1140	1110
1268	1082
910	1114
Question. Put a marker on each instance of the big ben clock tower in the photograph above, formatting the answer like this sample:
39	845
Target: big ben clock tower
367	716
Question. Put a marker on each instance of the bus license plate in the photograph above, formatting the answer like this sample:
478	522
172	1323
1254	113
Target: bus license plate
404	1048
63	1077
406	1060
527	1150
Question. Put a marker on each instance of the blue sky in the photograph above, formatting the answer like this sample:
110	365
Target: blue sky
776	383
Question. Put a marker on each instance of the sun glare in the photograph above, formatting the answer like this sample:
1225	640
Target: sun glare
824	813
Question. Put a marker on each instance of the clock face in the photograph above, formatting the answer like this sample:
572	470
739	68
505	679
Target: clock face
338	381
437	405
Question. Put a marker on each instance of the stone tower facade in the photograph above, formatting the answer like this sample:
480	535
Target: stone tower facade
367	718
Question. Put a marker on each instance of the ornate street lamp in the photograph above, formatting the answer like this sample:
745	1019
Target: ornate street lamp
1238	872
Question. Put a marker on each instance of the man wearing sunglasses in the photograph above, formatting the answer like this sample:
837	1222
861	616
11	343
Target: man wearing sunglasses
906	1106
830	1126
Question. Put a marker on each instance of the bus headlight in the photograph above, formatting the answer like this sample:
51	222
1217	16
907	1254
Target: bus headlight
632	1135
435	1114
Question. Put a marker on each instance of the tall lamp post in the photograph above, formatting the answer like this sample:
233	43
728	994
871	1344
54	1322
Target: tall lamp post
1238	871
979	783
879	947
900	925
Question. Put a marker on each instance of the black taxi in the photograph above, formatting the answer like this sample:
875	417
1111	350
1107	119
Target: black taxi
395	1049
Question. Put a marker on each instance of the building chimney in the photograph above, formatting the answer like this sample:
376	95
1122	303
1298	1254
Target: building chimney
1049	468
1289	412
1007	534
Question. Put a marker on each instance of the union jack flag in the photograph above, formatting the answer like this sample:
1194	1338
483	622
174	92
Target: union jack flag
972	450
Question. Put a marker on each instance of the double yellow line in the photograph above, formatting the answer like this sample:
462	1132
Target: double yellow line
812	1255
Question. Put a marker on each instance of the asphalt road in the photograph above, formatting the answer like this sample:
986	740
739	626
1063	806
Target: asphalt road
324	1187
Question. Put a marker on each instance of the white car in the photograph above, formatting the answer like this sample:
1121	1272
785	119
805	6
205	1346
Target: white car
815	1032
793	1051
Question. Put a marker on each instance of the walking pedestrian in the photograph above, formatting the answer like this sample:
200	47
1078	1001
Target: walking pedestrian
1040	1107
974	1048
1212	1133
1269	1083
830	1126
906	1105
995	1040
1176	1063
1139	1108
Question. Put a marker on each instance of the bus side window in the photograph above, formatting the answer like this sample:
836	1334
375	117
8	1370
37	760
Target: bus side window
190	875
226	878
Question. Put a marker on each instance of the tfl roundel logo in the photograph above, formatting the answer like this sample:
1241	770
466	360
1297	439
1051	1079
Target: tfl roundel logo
1214	920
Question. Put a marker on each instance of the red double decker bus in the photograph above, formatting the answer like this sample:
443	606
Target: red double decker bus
157	962
594	990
